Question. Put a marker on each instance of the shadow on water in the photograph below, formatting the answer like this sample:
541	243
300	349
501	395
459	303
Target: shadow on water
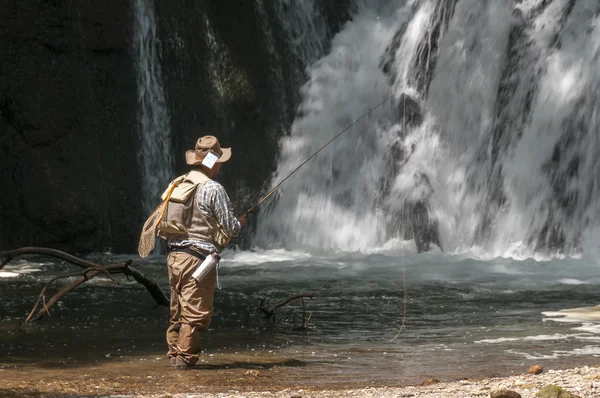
291	363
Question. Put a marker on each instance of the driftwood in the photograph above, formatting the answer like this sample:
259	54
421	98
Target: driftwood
270	310
90	271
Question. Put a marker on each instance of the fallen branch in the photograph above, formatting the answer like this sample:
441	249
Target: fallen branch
149	283
91	270
270	311
12	254
81	278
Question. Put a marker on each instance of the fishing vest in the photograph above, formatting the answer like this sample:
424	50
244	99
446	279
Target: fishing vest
183	218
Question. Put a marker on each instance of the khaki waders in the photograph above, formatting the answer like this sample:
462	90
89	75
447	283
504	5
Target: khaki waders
191	306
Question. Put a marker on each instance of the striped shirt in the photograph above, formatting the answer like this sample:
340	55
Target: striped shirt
212	201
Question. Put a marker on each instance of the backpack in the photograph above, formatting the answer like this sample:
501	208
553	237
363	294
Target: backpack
175	211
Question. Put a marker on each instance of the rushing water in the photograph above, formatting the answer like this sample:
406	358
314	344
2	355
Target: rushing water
155	154
465	317
490	141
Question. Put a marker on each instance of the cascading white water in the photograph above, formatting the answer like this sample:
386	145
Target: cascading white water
335	193
503	156
461	105
559	148
155	154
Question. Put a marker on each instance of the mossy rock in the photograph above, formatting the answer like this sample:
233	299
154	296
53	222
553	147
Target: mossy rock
554	392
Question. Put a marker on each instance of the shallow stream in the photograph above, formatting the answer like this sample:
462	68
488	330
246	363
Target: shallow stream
465	317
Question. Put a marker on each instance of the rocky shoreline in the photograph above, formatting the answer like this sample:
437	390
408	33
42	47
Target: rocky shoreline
229	378
581	382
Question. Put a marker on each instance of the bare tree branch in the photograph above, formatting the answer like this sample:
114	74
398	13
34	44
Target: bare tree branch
90	271
270	311
11	254
82	277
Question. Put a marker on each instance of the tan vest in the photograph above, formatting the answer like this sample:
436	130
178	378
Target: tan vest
183	218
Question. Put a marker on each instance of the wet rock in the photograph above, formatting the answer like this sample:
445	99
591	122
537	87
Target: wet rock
425	228
408	111
414	219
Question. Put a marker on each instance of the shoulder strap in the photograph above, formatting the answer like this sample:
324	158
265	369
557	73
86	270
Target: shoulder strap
182	187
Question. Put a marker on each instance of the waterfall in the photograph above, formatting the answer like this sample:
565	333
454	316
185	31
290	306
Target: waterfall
155	154
557	199
328	194
489	145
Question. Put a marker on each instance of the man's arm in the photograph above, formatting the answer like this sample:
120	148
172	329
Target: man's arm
223	210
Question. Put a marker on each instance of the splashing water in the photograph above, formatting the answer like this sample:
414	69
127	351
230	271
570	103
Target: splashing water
500	103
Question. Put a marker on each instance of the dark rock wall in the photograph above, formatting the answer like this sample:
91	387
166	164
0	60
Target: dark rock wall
69	176
228	94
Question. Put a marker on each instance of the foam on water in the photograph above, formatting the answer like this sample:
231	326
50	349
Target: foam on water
586	350
577	315
529	338
20	267
6	274
243	258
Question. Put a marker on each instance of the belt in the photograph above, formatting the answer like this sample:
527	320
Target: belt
188	250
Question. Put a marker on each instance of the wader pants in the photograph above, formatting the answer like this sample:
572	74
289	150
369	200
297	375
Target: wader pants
191	306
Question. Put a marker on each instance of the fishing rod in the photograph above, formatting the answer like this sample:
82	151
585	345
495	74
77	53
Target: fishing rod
403	325
319	150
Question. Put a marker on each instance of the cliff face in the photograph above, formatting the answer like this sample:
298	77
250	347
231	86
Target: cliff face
69	134
67	101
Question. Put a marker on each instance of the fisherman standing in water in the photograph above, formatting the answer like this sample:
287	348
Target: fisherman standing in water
199	222
196	218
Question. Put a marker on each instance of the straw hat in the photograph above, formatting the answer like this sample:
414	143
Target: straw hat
203	146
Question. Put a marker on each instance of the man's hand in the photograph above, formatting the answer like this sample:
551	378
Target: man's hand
243	218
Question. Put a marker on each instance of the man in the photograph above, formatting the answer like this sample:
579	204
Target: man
209	215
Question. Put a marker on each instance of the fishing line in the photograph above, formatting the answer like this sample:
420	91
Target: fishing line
265	197
404	249
320	149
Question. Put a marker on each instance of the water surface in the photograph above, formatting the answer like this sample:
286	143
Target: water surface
464	317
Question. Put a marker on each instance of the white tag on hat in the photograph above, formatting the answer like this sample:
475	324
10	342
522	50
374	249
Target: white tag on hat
210	159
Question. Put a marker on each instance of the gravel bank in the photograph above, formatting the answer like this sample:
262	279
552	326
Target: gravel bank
583	382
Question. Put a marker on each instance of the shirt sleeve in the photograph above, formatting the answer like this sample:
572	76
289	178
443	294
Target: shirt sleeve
223	210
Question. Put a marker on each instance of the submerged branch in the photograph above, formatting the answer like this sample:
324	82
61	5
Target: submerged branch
270	311
84	276
90	271
149	283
